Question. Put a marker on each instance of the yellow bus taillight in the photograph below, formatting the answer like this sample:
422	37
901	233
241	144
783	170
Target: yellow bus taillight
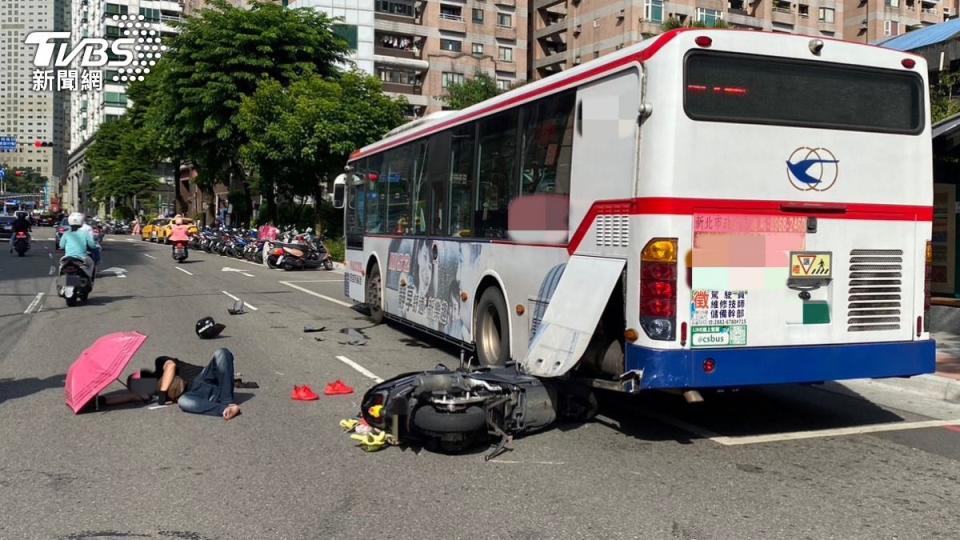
658	289
927	292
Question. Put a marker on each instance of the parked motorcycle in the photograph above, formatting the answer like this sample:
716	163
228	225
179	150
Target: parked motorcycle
21	243
74	280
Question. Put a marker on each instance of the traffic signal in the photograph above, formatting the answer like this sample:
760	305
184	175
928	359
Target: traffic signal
18	173
43	144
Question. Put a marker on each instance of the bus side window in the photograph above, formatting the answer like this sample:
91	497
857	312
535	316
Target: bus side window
355	197
375	194
498	165
462	180
399	169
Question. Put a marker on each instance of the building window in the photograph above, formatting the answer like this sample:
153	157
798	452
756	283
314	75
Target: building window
114	9
449	78
478	48
506	54
504	20
892	3
390	7
451	13
653	10
891	28
451	45
709	17
398	76
115	99
503	85
477	15
348	33
826	15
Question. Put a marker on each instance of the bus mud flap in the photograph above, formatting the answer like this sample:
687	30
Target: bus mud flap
572	315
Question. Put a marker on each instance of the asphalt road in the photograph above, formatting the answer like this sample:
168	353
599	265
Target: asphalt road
648	467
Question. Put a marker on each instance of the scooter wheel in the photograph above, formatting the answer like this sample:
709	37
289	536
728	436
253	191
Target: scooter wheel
72	301
328	264
429	419
287	267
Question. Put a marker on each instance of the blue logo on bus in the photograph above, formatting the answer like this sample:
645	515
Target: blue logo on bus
812	169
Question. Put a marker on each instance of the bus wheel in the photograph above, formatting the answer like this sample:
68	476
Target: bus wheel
372	295
492	330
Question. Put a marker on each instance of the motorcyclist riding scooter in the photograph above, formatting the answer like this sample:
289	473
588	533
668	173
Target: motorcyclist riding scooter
77	268
179	237
20	236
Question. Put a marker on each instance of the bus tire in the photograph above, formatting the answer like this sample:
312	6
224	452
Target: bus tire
492	329
373	295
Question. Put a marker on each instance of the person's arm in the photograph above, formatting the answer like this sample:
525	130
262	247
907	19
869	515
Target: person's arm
91	244
63	241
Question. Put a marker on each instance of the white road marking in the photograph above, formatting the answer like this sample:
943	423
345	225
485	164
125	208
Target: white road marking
34	304
363	371
835	432
52	270
182	270
149	255
228	269
316	281
512	462
318	295
51	239
235	298
253	263
130	240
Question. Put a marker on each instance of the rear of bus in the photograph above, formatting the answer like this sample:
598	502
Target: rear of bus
794	178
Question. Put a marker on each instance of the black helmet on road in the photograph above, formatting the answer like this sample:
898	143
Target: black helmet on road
207	328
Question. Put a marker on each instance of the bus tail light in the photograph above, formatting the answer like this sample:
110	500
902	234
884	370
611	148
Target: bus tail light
658	289
927	292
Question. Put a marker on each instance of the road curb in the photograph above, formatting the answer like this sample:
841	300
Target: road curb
929	386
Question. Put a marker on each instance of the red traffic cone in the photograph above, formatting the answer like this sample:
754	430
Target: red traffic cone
337	388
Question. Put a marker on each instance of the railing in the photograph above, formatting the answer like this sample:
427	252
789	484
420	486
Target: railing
929	11
451	17
780	9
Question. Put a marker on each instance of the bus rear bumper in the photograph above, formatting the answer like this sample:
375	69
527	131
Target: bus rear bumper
751	366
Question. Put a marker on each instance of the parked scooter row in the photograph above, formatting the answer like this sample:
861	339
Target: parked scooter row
293	250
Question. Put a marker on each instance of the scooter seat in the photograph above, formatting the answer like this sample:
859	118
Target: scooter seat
294	251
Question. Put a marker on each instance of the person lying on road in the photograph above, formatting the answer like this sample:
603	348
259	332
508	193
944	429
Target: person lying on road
199	390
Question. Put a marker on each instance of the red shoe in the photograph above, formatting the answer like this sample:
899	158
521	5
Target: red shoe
307	394
297	392
337	388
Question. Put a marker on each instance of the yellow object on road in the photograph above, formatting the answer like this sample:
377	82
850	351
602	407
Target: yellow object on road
349	424
372	441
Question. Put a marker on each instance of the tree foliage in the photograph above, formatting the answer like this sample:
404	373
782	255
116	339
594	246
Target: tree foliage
471	91
220	57
119	164
301	135
943	97
30	180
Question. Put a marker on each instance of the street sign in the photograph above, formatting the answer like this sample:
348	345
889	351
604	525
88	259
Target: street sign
3	174
8	144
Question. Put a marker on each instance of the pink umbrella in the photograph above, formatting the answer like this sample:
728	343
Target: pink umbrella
98	366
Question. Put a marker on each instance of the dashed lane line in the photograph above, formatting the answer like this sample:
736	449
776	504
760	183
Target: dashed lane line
237	299
36	304
362	370
834	432
149	255
318	295
184	271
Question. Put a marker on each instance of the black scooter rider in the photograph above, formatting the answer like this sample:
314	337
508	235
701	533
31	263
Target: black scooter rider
22	224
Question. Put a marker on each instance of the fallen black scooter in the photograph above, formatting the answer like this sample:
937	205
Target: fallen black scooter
451	411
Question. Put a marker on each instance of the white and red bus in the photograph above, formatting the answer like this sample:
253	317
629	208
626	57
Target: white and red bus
707	208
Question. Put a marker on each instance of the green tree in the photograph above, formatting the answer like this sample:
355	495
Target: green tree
220	57
119	165
943	99
300	136
471	91
29	181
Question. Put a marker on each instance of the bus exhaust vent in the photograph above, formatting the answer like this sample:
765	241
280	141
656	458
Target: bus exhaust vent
875	282
613	231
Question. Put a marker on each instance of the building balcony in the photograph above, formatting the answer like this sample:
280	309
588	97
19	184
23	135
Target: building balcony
555	28
506	32
506	67
557	59
826	26
930	15
399	53
400	88
451	23
512	3
741	18
540	4
783	15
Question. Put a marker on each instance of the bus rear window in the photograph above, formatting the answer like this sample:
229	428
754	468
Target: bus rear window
727	87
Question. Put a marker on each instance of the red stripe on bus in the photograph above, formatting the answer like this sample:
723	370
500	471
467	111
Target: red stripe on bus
682	207
558	85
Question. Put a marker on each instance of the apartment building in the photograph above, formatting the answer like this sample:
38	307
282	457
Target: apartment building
870	21
91	108
568	32
192	6
28	114
423	47
354	23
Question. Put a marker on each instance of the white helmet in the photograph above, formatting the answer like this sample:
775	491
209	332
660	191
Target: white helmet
75	218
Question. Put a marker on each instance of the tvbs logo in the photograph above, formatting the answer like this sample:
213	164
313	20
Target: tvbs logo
91	52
